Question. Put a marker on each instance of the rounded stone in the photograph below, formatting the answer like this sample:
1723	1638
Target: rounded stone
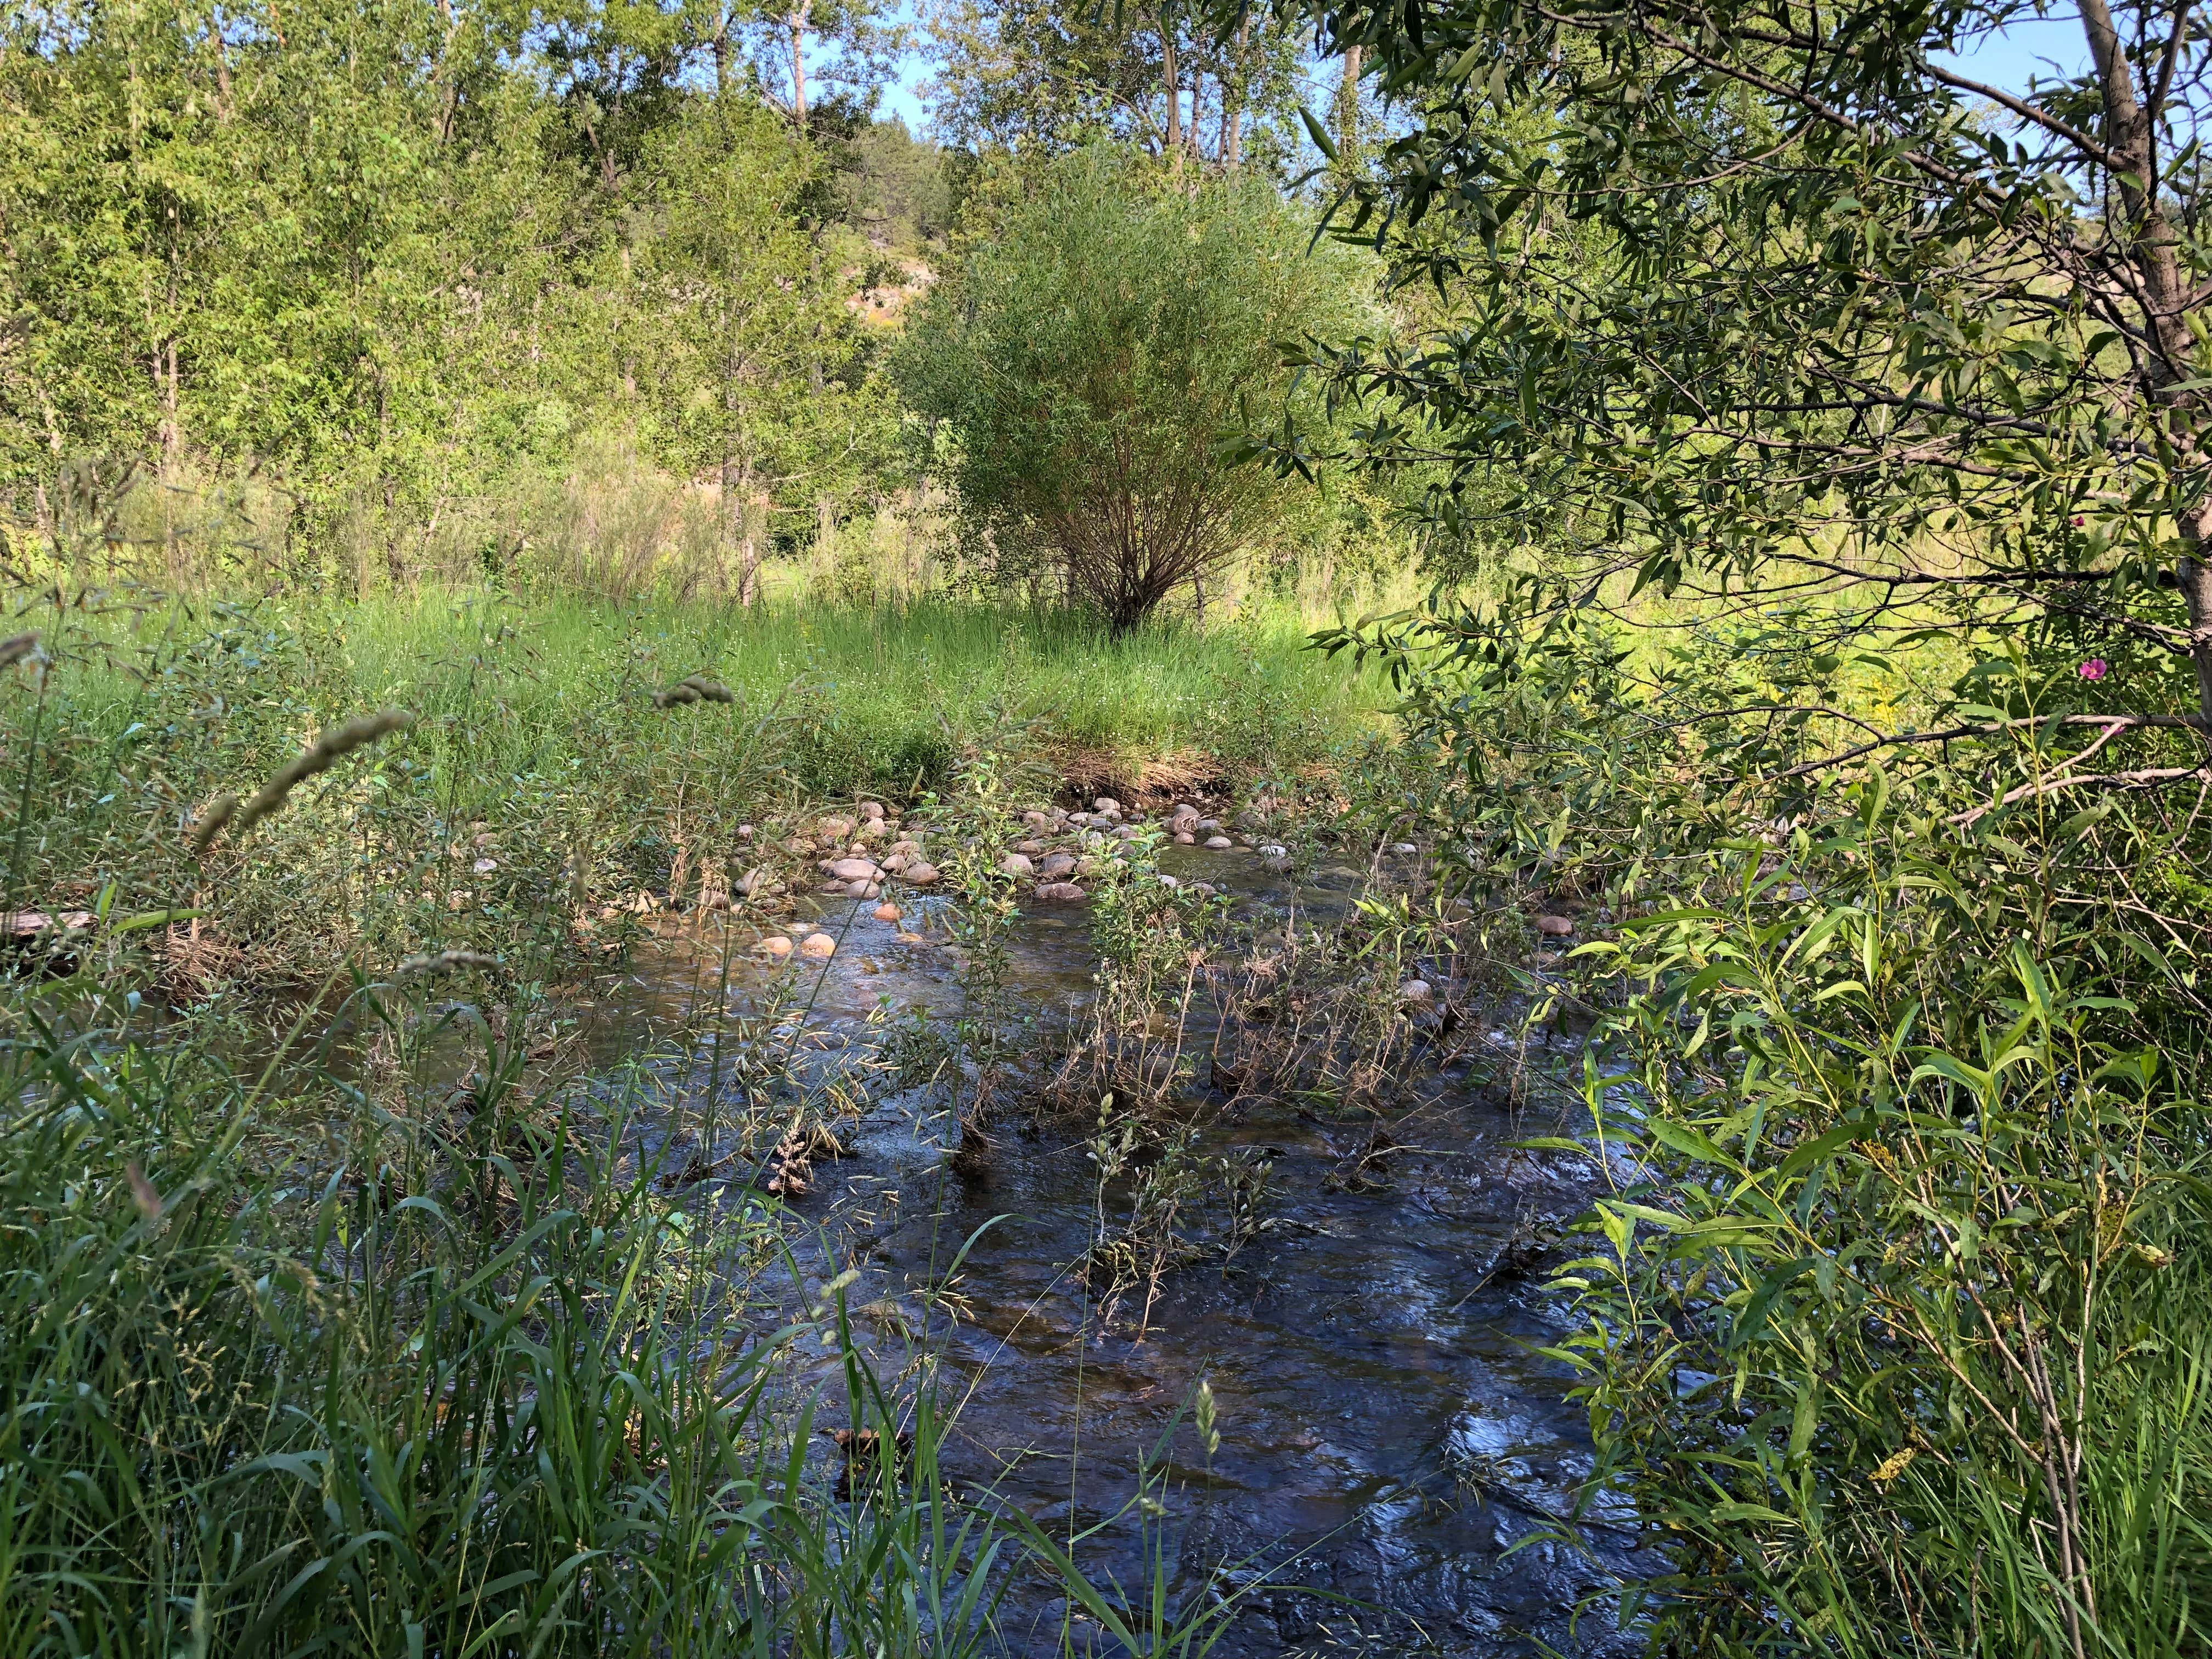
859	889
871	809
1106	804
776	945
919	875
1062	892
1555	926
851	869
820	946
1015	864
887	912
1415	990
1219	843
1184	838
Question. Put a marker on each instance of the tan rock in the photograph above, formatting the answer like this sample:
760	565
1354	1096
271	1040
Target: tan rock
856	869
919	875
820	946
887	912
776	945
1015	864
1555	926
1062	892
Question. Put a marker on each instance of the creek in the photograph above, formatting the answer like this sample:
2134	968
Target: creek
1389	1432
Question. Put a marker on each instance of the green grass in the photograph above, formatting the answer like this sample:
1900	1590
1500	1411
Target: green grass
536	735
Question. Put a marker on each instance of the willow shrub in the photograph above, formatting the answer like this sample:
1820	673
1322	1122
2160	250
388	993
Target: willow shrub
1896	1323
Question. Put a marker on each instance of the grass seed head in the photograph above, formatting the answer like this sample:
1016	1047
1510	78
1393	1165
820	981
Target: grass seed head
142	1193
682	692
327	750
210	821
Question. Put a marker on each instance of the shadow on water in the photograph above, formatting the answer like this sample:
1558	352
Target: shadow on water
1388	1433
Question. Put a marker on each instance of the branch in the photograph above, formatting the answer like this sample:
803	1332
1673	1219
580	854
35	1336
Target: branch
2149	778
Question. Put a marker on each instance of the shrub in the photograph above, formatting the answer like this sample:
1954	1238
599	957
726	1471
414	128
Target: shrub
1089	357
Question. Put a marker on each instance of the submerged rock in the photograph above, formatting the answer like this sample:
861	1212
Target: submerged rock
1062	892
820	946
887	912
776	945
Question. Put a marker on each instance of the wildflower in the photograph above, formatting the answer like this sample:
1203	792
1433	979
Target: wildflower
2095	668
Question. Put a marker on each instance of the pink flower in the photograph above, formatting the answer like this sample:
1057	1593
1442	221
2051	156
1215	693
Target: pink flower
2077	520
2095	668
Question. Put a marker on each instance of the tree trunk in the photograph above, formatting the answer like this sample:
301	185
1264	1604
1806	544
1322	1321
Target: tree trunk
796	22
1347	103
1232	102
1175	87
2130	130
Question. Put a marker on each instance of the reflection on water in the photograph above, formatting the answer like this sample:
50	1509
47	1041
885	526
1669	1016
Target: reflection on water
1387	1434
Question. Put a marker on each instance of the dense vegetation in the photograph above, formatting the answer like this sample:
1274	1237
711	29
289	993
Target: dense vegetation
1800	445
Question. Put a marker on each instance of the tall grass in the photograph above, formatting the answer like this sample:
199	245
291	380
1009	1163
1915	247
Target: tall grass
467	1385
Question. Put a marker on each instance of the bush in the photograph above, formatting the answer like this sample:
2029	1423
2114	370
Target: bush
1091	356
1894	1328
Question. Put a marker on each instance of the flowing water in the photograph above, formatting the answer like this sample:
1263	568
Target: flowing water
1388	1431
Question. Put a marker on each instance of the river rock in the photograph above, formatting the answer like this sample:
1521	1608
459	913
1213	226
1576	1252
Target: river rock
820	946
1415	990
1015	864
1078	817
870	829
1555	926
746	832
1207	826
1204	889
887	912
1404	848
1107	804
776	945
1062	892
1056	866
1185	839
1036	818
862	888
1219	843
1029	848
873	810
918	875
836	829
1086	867
861	869
753	881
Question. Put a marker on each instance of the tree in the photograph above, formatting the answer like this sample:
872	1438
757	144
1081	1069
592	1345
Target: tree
1784	303
1091	355
1024	74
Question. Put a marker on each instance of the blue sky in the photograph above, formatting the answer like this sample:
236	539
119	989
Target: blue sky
2030	47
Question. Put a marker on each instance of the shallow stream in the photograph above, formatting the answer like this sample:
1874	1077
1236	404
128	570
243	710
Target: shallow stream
1387	1431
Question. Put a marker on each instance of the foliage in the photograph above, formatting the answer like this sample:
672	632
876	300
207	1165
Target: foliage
1779	299
1089	357
1896	1074
391	267
1032	77
440	1389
